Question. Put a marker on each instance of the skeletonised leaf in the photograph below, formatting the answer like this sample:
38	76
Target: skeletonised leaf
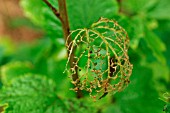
100	58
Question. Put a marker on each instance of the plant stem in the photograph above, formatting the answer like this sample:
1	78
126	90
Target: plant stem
62	15
55	11
64	19
66	30
120	7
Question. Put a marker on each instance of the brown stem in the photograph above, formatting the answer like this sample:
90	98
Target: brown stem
123	11
66	29
120	5
55	11
62	15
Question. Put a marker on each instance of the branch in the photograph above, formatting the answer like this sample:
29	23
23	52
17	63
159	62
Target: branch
62	15
55	11
66	29
120	5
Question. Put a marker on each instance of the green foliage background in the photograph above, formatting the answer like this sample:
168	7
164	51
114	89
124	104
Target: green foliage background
32	78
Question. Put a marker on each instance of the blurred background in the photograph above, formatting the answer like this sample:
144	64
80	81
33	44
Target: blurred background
14	24
31	42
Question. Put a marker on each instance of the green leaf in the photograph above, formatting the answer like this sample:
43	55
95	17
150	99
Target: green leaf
13	70
160	73
31	94
156	45
113	108
137	30
161	10
80	106
138	6
42	16
20	22
140	96
163	32
7	45
83	13
37	94
34	51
